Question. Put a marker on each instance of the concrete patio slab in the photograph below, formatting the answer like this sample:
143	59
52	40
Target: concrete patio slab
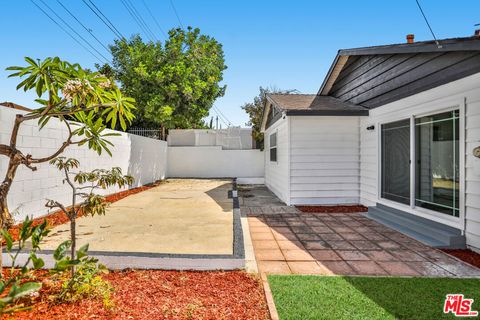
177	217
293	242
183	224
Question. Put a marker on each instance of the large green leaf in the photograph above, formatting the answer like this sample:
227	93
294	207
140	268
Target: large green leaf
61	250
24	289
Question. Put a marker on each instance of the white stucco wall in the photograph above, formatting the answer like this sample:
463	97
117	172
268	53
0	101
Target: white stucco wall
214	162
277	174
453	94
143	158
325	160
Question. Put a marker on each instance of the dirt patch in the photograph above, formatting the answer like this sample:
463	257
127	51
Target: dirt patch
466	255
332	209
58	217
156	294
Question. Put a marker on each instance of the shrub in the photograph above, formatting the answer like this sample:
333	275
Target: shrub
14	282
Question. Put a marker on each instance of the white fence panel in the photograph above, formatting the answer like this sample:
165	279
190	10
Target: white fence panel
213	162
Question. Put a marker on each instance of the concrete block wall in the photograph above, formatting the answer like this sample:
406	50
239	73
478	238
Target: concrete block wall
214	162
143	158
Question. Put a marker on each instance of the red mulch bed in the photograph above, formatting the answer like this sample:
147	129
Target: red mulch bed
332	209
466	255
156	294
58	217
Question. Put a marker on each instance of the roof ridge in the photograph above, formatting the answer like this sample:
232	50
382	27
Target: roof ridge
292	94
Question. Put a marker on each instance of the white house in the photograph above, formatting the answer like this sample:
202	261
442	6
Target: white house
395	128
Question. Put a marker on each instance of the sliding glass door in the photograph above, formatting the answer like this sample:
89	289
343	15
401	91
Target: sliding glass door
436	166
437	162
396	161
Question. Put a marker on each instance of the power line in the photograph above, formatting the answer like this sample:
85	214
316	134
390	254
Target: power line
65	30
176	13
428	24
105	20
84	27
219	116
132	5
222	115
74	31
154	19
136	19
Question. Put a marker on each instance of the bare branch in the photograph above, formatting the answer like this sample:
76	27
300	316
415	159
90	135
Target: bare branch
56	204
59	151
5	150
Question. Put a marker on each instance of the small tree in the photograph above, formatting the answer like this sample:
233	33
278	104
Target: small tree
84	198
65	91
255	112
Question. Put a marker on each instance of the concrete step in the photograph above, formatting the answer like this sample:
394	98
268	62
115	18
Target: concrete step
426	231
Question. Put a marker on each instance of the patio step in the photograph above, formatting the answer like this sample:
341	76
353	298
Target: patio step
426	231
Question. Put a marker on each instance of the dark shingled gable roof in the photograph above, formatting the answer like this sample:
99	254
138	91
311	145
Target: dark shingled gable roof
312	104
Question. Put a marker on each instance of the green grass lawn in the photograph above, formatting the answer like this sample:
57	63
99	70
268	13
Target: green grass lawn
317	297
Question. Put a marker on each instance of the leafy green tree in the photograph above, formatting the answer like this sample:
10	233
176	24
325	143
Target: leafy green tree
255	112
64	91
174	84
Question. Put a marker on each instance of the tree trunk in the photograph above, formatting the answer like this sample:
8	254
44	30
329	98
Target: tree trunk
6	219
74	240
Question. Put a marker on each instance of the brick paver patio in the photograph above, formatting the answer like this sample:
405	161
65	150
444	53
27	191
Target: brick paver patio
287	241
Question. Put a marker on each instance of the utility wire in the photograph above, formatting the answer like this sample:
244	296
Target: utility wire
84	27
140	17
111	23
65	30
428	24
136	19
222	115
176	13
154	19
105	20
74	31
220	118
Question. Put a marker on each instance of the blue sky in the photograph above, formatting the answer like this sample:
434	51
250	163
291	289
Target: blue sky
285	44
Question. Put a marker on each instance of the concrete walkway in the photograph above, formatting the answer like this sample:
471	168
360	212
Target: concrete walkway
181	216
287	241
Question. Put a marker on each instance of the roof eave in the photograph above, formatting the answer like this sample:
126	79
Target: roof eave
473	45
339	112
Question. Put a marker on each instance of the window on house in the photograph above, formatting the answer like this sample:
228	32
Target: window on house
273	147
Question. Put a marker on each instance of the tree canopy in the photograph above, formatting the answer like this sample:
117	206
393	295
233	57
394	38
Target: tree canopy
255	112
174	84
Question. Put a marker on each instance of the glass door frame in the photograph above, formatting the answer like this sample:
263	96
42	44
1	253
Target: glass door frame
457	222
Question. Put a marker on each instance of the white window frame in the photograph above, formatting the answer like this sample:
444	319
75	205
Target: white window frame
456	222
270	147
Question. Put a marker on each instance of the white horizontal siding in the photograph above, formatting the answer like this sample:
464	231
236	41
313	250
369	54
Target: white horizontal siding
451	94
324	160
276	173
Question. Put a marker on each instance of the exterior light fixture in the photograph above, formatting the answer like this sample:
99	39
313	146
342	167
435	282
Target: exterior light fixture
370	128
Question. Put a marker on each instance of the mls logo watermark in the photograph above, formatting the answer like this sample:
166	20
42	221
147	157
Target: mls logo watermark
459	306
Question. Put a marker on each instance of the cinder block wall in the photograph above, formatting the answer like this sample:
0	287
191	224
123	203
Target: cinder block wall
143	158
